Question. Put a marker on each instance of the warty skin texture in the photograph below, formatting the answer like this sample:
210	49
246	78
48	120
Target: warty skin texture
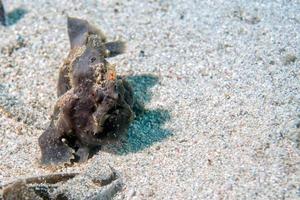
94	104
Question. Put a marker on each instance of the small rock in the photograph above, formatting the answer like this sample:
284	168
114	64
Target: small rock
183	140
289	59
142	53
272	62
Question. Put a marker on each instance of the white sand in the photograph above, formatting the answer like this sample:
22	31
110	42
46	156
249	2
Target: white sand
223	111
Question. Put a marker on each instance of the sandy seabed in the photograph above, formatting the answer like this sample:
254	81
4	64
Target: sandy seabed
219	80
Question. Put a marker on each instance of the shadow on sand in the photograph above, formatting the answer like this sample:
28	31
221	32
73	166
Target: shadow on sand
14	16
147	128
